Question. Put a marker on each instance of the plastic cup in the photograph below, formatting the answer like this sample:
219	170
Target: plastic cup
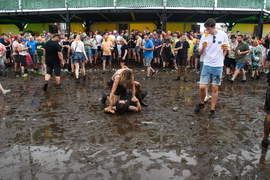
224	46
205	43
206	33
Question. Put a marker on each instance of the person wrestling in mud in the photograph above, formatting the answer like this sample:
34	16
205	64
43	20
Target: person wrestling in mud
120	83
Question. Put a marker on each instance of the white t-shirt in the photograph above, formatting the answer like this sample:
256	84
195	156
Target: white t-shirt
99	38
118	39
213	53
94	43
23	53
79	48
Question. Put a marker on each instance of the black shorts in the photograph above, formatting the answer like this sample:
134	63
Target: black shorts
268	56
22	60
156	54
229	62
267	101
8	54
181	61
120	91
65	55
54	67
99	48
17	58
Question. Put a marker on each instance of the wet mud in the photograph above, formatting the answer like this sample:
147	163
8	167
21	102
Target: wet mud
64	134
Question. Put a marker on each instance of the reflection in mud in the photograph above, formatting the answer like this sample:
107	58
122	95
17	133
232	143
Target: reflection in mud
64	134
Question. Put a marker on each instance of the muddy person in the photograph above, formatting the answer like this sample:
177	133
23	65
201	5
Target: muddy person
212	44
183	56
265	141
148	48
54	60
2	58
241	52
121	81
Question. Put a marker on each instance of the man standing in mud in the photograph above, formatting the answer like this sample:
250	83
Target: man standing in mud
212	44
54	60
265	141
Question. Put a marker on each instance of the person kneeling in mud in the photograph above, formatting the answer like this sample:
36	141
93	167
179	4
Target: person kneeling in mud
121	81
124	105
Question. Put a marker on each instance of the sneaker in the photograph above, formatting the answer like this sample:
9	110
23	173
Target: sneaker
212	114
146	78
177	79
231	80
198	108
154	73
265	143
197	72
6	91
198	82
144	94
244	80
24	75
58	86
185	79
207	97
252	78
77	80
103	72
45	87
72	74
143	103
104	98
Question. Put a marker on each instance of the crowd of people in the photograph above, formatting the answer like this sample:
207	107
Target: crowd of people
213	54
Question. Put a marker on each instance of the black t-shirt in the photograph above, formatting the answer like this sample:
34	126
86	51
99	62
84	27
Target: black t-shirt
123	48
266	43
6	44
65	43
52	48
182	52
131	43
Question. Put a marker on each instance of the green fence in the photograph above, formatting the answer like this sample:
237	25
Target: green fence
90	3
251	4
190	3
42	4
9	4
139	3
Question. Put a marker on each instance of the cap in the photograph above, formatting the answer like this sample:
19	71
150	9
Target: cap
23	40
233	36
110	32
259	42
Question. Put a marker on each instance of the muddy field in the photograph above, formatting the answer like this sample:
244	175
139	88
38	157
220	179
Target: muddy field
64	134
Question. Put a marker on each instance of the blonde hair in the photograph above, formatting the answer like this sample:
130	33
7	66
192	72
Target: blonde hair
255	41
123	40
78	38
127	76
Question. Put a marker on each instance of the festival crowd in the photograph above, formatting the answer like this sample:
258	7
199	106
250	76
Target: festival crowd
213	54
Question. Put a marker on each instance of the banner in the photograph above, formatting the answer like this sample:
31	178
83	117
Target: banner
90	3
250	4
42	4
139	3
189	3
9	4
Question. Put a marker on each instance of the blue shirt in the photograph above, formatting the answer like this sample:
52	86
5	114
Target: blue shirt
148	45
33	44
156	43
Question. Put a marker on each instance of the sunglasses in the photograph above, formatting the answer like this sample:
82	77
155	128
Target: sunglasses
214	39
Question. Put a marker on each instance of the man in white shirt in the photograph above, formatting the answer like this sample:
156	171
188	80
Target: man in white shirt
213	43
119	45
99	39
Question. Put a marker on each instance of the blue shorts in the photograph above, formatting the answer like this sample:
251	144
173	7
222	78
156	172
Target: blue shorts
214	73
79	57
94	52
239	65
88	53
106	58
201	65
136	51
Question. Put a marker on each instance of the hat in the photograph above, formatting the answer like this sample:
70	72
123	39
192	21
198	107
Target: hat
83	35
233	36
110	32
259	42
23	40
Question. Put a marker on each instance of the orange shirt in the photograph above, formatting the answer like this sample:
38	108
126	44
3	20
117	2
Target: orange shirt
106	47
